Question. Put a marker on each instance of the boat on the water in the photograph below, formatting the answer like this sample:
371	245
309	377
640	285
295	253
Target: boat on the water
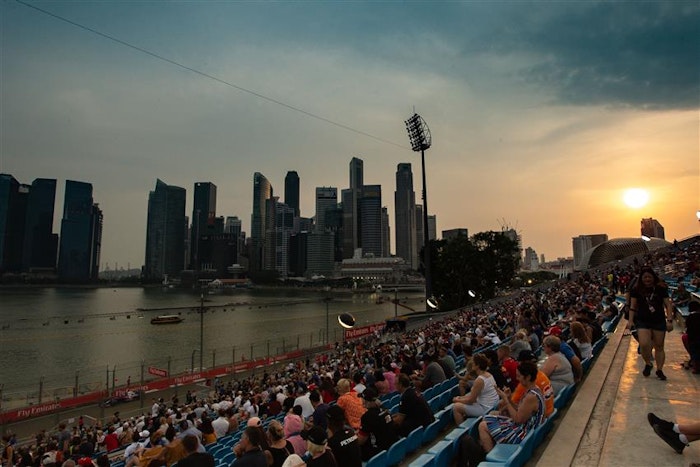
167	319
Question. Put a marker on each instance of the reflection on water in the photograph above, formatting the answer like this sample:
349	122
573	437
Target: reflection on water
54	332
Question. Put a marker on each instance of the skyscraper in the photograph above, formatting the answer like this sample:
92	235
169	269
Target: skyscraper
432	227
326	200
262	191
40	243
165	231
284	226
291	191
583	243
420	239
81	232
652	228
203	215
405	216
370	209
351	210
386	233
13	208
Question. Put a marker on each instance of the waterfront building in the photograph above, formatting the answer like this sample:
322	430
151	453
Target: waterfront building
262	191
370	209
583	243
298	243
405	216
386	232
652	228
454	233
326	201
351	210
166	229
13	208
81	234
376	270
530	262
320	259
203	221
291	191
284	227
40	247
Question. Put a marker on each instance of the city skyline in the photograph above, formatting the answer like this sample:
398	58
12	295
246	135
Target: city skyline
538	111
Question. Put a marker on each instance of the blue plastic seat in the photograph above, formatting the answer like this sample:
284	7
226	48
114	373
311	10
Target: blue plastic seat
513	454
378	460
396	453
414	440
444	453
434	404
431	432
445	398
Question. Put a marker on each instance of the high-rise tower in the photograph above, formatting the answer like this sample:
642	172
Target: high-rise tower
370	209
203	215
40	243
405	215
165	231
291	191
13	208
262	191
351	215
81	234
326	200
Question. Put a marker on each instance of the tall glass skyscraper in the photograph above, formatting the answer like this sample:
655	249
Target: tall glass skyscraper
13	207
203	216
81	234
352	227
326	200
262	191
405	215
370	208
165	231
291	191
40	243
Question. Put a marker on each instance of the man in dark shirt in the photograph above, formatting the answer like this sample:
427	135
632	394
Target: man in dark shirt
319	416
413	409
343	440
197	459
377	431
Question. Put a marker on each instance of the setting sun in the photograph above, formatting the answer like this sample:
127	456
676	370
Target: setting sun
636	197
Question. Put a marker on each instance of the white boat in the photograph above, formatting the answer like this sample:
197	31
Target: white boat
167	319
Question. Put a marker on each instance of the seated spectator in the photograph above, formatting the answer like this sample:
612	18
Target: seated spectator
343	440
481	398
318	418
413	408
380	383
199	459
377	430
317	445
251	451
528	415
432	373
520	342
508	364
582	340
278	446
556	366
542	382
293	425
350	403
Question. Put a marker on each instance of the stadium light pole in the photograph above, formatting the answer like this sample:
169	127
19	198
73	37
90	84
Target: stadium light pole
419	134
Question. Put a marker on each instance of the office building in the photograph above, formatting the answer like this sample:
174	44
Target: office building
405	216
262	191
530	261
652	228
320	260
326	201
40	247
81	234
13	207
284	227
432	227
291	191
351	208
166	230
203	221
386	233
370	209
420	239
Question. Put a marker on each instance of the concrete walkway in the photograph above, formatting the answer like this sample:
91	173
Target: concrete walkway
606	423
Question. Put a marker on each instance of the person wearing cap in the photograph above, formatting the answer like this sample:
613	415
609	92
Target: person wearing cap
350	403
317	445
541	381
377	429
134	448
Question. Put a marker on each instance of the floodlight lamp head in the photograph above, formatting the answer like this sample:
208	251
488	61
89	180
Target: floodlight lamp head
432	302
418	133
472	294
346	320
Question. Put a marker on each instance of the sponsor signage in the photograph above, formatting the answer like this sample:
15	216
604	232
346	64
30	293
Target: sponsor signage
152	370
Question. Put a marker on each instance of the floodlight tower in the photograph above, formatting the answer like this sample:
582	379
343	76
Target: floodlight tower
419	134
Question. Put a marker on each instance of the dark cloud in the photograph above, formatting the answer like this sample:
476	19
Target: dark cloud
643	55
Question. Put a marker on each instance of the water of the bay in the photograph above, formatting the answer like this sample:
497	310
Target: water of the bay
64	335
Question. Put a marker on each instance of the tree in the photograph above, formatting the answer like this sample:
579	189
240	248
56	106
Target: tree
478	264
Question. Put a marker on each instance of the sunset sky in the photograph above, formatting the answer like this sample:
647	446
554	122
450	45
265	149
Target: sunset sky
542	114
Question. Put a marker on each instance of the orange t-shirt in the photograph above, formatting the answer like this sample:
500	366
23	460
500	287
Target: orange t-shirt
541	382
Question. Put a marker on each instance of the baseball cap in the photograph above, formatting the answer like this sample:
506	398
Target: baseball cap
315	435
145	434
